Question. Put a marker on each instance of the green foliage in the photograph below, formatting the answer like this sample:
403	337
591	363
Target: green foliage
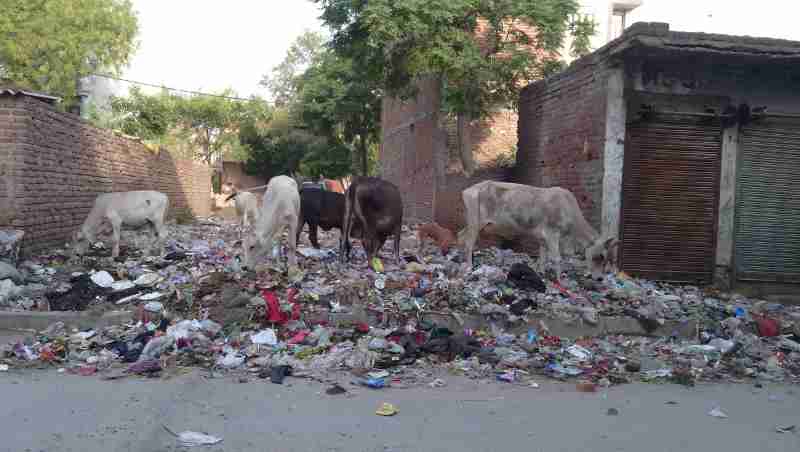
303	53
48	45
280	147
328	111
397	42
582	28
200	127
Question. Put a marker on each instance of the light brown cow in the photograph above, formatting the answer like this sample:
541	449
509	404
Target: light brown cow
550	215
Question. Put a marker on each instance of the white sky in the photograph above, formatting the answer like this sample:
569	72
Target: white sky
208	45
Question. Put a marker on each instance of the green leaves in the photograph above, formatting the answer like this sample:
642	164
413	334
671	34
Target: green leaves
53	43
201	127
483	51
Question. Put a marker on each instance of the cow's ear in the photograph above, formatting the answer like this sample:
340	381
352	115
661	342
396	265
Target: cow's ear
610	243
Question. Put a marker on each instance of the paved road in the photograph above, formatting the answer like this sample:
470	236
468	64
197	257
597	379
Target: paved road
47	411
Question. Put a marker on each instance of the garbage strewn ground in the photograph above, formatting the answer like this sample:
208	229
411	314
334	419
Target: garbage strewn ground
352	325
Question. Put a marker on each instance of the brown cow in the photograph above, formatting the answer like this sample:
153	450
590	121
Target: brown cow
376	204
443	237
550	215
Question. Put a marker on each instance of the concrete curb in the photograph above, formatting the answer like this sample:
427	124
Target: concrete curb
23	320
605	326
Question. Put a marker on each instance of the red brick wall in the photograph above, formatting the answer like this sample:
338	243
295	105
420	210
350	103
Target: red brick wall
233	172
60	163
425	162
410	148
562	135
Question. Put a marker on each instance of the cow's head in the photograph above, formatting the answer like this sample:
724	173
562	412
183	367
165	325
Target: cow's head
80	243
256	247
601	257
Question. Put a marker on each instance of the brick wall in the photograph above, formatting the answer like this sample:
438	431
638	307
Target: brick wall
233	172
54	165
562	135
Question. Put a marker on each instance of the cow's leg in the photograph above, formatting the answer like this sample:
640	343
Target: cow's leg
473	228
542	257
160	231
116	225
292	252
551	239
312	234
397	232
344	241
300	225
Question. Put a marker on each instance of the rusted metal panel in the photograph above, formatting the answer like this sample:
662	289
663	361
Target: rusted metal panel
670	196
767	246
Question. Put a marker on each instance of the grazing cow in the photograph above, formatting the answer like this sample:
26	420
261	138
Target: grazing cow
375	204
131	208
324	209
280	210
246	206
443	237
550	215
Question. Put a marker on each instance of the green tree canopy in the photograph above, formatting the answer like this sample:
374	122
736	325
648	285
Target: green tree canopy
303	53
48	45
399	41
201	126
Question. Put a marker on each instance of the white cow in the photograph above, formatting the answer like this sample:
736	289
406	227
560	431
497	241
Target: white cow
551	215
246	206
131	208
280	210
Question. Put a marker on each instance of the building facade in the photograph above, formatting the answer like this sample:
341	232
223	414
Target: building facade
685	146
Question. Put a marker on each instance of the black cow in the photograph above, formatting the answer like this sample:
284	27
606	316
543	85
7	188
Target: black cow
375	204
321	208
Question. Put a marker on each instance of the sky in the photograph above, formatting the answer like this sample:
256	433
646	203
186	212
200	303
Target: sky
208	45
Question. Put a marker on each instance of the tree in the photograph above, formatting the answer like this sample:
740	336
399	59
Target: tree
280	147
336	101
48	45
419	38
204	127
282	82
148	117
479	50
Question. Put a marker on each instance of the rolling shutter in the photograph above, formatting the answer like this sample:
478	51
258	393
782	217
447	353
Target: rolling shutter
670	196
768	202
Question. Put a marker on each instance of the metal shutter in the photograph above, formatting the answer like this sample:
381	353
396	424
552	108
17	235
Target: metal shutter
768	202
670	196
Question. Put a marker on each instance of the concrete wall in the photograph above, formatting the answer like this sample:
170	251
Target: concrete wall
54	165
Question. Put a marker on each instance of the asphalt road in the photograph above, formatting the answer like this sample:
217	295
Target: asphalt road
42	410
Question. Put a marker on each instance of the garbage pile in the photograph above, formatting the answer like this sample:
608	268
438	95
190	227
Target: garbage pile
387	323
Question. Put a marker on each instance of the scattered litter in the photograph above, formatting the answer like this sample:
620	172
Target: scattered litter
336	389
785	429
718	413
612	412
193	306
103	279
192	439
386	409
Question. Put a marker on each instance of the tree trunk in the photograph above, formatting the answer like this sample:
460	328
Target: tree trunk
464	145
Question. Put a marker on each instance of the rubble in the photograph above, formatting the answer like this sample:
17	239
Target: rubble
390	324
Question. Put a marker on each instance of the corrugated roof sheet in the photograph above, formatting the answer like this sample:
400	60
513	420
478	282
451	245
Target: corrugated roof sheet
13	91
